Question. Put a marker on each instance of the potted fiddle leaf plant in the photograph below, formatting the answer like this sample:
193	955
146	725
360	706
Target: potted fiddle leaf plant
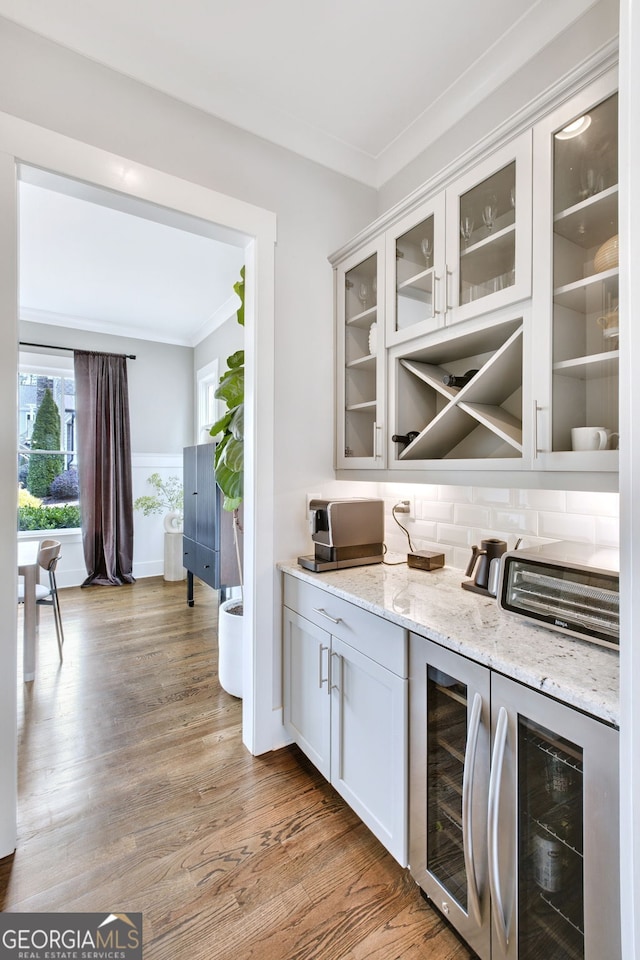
229	468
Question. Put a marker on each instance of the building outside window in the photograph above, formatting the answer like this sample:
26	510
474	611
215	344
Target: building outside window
47	460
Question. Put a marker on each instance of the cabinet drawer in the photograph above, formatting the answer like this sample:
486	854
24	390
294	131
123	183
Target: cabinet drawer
207	565
384	642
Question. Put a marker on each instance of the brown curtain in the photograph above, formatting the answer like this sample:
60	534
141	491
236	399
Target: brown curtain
104	467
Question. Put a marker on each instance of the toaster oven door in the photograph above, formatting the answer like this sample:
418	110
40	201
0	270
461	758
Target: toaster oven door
583	603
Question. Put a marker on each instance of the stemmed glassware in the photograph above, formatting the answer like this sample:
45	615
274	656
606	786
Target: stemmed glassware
466	228
363	295
490	212
427	250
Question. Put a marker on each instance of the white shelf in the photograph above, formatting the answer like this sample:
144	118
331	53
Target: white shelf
585	368
363	363
573	295
491	257
363	319
590	222
498	421
418	287
361	407
431	375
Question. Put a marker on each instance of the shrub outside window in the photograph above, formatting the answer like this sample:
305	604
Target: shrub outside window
47	460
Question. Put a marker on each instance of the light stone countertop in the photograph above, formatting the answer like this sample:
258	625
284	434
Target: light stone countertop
433	604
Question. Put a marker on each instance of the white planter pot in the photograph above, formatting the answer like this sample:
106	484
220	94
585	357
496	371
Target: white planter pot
230	647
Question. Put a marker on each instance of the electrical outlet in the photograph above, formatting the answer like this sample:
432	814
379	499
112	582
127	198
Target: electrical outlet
405	507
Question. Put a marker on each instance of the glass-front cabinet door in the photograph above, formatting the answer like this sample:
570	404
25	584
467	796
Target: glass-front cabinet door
415	281
449	766
489	234
360	359
585	281
553	862
577	236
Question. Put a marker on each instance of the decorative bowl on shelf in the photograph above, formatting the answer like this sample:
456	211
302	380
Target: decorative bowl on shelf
607	255
373	338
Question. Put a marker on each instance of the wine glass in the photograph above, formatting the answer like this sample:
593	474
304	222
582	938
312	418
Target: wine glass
427	250
490	212
363	295
466	228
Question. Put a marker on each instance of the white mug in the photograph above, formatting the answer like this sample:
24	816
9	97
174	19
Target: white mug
589	438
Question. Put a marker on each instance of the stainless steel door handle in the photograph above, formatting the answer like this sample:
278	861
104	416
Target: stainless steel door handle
323	613
332	685
436	279
321	679
467	807
497	907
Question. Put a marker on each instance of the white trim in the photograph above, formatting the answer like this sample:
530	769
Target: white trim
21	141
629	212
217	318
205	377
600	63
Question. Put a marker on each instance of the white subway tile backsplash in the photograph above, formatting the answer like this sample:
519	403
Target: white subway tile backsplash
470	515
597	504
434	510
500	497
451	519
567	526
455	494
608	531
552	500
455	536
516	521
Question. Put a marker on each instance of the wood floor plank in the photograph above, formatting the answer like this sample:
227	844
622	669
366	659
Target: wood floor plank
136	793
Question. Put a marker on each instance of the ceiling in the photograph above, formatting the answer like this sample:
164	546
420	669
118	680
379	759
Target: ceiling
360	86
92	260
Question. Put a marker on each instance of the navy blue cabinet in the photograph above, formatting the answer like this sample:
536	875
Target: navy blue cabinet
208	549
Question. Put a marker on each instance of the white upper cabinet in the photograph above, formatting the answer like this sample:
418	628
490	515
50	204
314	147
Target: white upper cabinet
488	234
360	359
464	252
576	298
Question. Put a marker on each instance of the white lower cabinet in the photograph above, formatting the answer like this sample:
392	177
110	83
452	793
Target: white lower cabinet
345	704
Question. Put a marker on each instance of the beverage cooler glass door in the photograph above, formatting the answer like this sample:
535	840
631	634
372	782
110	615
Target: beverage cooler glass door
554	881
449	766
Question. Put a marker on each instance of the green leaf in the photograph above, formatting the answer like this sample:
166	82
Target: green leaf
236	424
233	457
221	425
239	289
236	359
231	388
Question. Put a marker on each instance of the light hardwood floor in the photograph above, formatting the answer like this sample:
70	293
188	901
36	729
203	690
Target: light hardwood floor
136	794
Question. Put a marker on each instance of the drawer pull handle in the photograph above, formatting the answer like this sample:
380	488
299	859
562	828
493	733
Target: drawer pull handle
323	613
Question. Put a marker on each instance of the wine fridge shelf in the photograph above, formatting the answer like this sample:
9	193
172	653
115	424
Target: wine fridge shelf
556	909
571	952
557	753
547	829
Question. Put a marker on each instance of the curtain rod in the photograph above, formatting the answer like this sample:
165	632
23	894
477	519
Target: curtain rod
51	346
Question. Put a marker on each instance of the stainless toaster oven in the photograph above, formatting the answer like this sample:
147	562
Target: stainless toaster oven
571	587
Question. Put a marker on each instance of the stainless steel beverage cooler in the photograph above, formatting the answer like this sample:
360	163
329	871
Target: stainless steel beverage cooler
570	587
513	812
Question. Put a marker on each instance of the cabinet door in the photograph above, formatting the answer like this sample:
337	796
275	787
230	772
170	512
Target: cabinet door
449	722
190	485
208	498
307	700
576	297
553	829
489	234
415	254
368	744
360	376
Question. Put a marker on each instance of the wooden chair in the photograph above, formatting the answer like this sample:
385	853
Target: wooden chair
48	556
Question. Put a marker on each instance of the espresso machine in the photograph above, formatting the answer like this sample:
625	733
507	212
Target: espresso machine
346	533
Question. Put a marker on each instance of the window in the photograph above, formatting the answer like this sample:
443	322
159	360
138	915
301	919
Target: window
47	461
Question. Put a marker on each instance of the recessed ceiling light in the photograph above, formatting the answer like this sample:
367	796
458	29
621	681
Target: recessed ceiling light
575	128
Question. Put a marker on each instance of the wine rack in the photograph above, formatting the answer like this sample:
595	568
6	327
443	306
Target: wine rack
481	420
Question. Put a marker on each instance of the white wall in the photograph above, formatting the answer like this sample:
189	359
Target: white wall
597	28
